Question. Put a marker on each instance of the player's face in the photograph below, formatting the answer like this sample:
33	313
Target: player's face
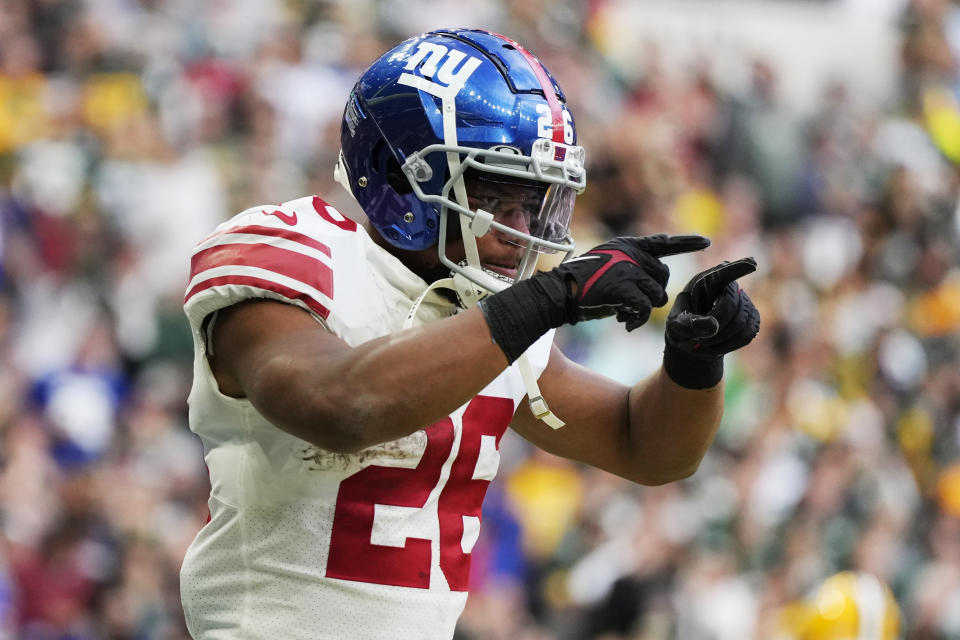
512	205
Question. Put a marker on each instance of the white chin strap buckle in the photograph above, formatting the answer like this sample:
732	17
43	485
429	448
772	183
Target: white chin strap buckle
538	406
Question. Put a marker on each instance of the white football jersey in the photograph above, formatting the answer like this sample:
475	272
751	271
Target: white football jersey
308	543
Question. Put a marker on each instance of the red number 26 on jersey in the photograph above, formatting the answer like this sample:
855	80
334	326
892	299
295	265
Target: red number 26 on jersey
352	554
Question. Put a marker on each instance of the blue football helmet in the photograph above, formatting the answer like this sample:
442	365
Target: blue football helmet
453	102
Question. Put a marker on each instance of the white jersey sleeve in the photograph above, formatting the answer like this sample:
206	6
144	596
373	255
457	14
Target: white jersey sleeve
281	253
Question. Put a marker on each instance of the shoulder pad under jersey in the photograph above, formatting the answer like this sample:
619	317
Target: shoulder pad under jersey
283	252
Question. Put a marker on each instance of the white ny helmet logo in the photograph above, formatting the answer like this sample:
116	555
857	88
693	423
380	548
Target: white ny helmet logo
443	72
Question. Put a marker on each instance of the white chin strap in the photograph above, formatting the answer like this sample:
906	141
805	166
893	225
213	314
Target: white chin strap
538	406
468	291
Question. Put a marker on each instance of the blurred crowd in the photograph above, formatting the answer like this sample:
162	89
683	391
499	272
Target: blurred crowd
129	129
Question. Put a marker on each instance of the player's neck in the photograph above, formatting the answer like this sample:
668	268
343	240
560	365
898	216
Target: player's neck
425	263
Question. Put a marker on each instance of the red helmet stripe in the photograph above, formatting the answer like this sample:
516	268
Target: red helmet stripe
556	111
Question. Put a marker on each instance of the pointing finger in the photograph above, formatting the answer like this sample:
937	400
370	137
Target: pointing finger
663	245
712	282
726	273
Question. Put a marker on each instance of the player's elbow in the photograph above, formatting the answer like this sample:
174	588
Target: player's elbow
333	418
336	432
666	476
661	472
339	440
343	423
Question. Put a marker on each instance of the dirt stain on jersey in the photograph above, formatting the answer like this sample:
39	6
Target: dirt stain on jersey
386	454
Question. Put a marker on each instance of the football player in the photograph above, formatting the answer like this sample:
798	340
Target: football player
353	381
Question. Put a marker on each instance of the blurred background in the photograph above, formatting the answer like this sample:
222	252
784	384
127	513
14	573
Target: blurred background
822	137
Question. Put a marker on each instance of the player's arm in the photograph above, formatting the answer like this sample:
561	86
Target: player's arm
658	430
314	385
653	433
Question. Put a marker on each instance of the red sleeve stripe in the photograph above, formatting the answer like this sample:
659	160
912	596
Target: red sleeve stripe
291	264
261	283
252	240
556	111
274	232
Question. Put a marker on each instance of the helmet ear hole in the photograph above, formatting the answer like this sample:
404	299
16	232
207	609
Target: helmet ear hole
395	177
376	154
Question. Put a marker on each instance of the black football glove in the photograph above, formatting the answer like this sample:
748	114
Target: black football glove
711	317
623	277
